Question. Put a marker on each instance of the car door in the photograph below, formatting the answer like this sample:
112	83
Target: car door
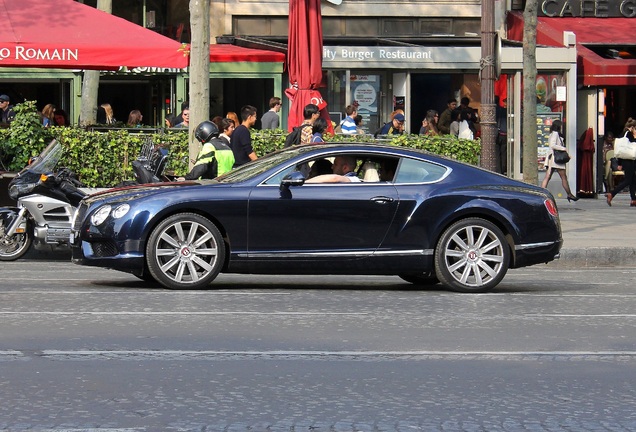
337	221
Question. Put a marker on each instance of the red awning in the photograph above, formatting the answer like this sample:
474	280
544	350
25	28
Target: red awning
71	35
593	69
233	53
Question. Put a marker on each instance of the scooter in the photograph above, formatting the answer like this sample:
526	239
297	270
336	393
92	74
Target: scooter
45	206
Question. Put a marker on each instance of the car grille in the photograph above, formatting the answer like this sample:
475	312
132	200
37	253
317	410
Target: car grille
103	249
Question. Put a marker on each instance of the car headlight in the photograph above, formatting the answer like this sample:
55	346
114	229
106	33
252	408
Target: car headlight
120	211
100	215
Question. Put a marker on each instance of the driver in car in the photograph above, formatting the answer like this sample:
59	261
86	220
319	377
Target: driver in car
343	172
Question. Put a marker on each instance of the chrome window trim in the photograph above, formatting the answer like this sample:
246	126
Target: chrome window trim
379	153
533	245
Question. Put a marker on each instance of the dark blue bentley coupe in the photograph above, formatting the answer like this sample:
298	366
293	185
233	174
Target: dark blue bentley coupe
397	211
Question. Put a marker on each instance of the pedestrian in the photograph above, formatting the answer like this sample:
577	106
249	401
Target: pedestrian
241	139
318	128
61	118
134	119
628	166
348	125
232	115
185	115
48	115
227	127
270	119
429	124
555	141
445	118
501	115
185	105
7	115
394	127
311	113
109	116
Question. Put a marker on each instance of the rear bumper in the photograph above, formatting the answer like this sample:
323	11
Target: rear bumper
537	253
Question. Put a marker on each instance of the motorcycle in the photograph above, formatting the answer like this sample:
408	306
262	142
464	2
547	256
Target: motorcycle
46	201
149	167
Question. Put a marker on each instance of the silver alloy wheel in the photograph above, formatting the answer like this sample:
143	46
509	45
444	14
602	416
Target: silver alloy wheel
185	251
12	248
472	256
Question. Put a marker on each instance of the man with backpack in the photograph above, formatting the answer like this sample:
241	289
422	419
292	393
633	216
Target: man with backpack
302	134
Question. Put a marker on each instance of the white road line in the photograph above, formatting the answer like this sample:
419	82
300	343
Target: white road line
336	353
146	291
179	313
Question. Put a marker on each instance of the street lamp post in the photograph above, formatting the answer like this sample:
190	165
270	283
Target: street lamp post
487	77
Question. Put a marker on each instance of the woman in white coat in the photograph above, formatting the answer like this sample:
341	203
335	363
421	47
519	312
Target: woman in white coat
555	141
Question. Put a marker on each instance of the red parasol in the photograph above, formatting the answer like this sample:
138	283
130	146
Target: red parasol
304	60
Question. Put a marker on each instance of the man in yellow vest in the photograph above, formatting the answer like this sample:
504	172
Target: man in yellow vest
215	157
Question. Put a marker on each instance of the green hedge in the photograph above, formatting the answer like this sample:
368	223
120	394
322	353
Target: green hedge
103	159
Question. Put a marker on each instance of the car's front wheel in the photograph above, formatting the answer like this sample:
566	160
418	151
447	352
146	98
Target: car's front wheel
185	251
472	255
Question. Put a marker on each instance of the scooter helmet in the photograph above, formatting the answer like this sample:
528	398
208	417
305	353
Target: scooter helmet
205	131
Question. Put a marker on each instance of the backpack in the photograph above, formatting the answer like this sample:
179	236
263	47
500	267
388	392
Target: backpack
294	136
379	130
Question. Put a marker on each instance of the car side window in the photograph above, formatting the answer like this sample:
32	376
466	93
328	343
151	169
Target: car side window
415	171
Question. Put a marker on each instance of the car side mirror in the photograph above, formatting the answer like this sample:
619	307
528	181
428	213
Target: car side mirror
292	179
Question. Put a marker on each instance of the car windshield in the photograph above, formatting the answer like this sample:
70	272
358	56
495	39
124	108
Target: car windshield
261	165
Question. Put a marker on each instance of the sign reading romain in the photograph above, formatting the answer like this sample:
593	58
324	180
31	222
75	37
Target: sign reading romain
587	8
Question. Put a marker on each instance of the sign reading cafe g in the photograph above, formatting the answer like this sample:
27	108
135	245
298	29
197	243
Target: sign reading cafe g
29	54
587	8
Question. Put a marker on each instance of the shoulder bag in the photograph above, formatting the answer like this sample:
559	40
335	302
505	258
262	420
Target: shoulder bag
561	156
624	148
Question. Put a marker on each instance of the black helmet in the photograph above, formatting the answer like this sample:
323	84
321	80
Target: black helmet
205	131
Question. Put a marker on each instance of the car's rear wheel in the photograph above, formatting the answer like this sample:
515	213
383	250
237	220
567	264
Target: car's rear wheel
423	279
185	251
472	255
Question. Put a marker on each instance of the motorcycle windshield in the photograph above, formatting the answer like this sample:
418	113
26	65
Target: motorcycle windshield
48	159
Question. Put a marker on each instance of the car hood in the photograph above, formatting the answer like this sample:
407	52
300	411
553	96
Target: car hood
133	192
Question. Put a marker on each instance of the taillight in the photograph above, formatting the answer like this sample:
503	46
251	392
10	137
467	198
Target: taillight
551	207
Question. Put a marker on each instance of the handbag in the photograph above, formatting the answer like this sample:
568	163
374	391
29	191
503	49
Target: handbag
561	157
624	148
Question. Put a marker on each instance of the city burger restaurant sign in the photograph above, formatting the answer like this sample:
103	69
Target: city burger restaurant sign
587	8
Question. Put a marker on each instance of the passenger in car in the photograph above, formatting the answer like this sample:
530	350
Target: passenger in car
387	169
343	172
320	167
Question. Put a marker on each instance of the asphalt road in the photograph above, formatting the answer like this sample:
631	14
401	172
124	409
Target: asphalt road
92	349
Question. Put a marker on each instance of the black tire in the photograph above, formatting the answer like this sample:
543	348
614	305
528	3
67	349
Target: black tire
472	255
16	246
185	251
423	279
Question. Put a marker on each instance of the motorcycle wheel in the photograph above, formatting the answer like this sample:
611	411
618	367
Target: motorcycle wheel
12	248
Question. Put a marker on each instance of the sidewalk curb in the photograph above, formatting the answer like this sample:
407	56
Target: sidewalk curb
595	257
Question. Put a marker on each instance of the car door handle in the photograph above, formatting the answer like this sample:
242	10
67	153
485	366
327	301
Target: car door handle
382	200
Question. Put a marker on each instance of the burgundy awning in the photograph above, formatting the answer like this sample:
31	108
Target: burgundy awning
233	53
71	35
593	69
